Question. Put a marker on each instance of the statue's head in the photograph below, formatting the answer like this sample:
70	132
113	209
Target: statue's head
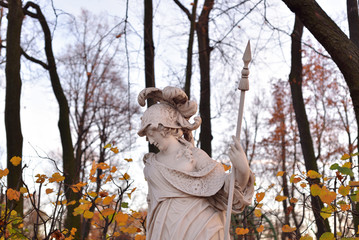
172	110
159	114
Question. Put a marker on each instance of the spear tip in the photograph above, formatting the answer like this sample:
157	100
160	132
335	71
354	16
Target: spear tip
247	56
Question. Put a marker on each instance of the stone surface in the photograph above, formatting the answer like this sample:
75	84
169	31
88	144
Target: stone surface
187	190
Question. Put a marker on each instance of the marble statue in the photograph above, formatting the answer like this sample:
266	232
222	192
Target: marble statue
187	190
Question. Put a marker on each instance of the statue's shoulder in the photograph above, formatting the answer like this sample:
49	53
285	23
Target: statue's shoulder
201	157
147	157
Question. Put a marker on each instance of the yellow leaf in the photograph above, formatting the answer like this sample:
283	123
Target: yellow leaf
121	219
260	228
49	190
280	173
327	236
15	160
242	231
260	196
23	190
313	174
327	196
306	237
280	198
88	214
108	200
347	165
130	194
315	190
108	145
125	177
108	211
4	172
92	194
13	213
287	228
345	156
293	200
344	190
56	177
257	212
326	212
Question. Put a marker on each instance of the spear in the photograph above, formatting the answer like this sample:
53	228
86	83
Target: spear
243	86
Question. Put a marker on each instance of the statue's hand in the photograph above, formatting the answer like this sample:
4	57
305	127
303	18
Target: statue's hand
237	155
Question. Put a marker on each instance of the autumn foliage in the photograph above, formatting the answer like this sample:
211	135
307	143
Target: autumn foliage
107	209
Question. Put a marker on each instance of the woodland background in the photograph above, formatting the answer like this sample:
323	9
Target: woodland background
71	159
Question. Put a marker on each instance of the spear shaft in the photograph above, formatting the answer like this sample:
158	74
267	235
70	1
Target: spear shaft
243	86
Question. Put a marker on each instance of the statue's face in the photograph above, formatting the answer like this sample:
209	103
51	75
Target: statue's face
157	138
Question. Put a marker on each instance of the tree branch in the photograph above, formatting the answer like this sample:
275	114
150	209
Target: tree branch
184	9
35	60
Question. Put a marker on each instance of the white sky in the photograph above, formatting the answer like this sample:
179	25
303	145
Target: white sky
39	107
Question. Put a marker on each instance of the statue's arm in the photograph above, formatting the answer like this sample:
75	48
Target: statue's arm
239	163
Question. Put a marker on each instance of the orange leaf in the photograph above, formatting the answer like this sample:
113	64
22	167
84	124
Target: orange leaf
280	173
108	211
344	207
327	196
12	194
121	218
108	200
260	228
15	160
260	196
287	228
313	174
226	167
280	198
4	172
242	231
293	200
88	214
49	190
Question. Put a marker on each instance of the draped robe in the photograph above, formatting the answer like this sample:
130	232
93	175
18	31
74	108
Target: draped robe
191	205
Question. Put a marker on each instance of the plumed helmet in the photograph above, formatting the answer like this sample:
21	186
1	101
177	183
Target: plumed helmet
160	113
172	109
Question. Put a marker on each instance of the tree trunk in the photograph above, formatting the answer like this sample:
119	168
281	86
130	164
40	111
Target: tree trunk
149	56
149	47
353	21
295	80
204	63
187	86
342	50
69	163
14	138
